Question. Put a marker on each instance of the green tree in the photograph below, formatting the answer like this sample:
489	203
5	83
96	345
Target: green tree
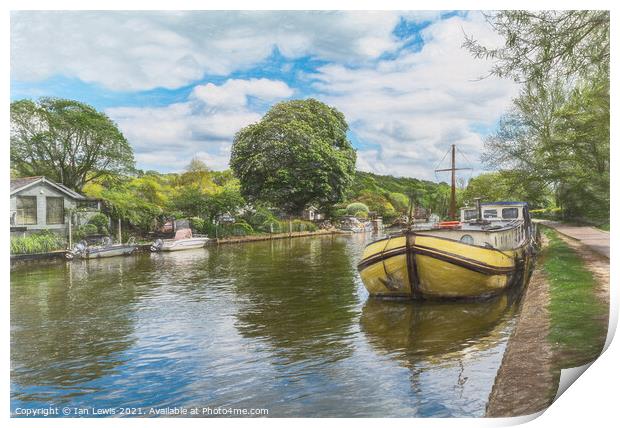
67	141
540	43
556	136
297	154
356	207
508	186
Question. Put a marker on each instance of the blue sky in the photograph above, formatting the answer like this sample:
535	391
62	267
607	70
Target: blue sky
180	84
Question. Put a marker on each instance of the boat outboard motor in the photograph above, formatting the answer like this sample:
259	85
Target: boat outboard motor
78	250
156	246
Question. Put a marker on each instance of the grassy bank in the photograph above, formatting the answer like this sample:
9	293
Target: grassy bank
577	331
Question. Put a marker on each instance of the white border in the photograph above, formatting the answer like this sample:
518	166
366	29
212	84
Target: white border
593	398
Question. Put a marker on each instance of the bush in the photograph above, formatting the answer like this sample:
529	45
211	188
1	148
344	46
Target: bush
301	226
199	225
85	230
355	207
263	220
270	226
547	213
240	228
361	215
40	242
102	222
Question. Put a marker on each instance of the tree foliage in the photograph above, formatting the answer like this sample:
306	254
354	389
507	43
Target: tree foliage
67	141
540	43
556	136
390	196
297	154
507	186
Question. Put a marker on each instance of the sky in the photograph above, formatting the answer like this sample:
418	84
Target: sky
180	84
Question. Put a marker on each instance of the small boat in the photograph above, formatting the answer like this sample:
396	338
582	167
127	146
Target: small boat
490	249
183	240
352	224
106	249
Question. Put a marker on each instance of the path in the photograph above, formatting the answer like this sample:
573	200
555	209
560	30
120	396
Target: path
596	239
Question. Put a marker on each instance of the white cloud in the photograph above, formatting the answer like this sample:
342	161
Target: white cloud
124	50
405	111
235	92
410	109
204	126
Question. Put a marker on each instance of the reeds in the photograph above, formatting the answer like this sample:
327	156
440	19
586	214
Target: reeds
39	242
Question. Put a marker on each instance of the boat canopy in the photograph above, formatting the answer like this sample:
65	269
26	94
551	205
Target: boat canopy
496	211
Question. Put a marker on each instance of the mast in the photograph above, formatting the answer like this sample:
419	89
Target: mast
453	188
452	169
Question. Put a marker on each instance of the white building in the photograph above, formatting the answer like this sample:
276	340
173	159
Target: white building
38	203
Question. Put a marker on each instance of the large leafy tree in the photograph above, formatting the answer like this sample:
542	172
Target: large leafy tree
297	154
67	141
557	133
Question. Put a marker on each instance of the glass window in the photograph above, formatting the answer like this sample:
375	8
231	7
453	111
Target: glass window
55	210
467	239
510	213
26	210
470	215
489	214
88	205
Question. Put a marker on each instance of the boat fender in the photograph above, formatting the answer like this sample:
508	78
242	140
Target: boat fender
449	224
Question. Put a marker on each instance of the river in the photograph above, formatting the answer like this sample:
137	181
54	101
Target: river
284	325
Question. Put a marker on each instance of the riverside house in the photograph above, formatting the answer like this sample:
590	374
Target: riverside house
38	203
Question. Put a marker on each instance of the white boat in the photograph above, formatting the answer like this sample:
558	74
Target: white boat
183	240
352	224
106	249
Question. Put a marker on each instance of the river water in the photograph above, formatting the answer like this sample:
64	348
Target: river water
283	325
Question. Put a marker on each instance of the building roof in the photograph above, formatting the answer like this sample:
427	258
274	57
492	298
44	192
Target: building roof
19	184
504	203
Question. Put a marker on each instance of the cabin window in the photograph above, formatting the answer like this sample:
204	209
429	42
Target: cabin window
490	214
510	213
467	239
55	210
26	210
470	215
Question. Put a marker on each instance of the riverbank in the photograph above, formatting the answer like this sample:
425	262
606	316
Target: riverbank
267	237
562	323
56	256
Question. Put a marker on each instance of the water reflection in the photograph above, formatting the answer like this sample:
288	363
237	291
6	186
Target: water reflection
416	331
66	329
298	295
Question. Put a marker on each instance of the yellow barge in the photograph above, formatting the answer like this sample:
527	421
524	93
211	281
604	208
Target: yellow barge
492	248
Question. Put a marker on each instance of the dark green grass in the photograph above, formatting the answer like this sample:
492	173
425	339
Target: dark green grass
578	318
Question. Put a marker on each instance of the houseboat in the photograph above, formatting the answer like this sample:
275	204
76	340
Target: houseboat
489	250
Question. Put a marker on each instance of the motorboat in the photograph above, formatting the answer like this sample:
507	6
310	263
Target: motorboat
107	248
352	224
183	240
